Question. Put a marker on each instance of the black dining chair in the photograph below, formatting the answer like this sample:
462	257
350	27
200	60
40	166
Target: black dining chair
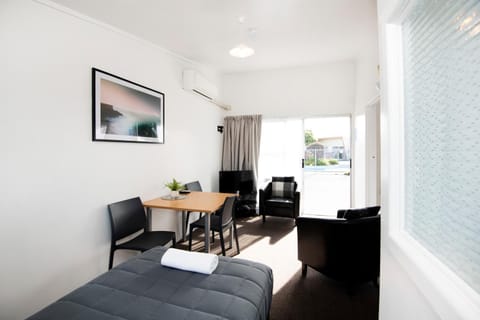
192	186
128	217
224	219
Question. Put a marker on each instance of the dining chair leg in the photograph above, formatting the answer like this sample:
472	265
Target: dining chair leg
222	242
186	220
110	261
236	235
190	239
230	231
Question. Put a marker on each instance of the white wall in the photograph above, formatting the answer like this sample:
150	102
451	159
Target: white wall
324	89
399	296
55	182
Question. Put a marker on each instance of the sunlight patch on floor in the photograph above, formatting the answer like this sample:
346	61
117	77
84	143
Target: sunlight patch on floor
281	257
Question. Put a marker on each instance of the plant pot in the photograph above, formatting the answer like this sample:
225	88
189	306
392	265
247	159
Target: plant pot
174	193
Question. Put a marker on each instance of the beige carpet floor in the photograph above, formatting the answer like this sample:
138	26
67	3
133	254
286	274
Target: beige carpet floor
274	243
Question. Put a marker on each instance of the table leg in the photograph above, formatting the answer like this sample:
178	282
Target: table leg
149	219
184	228
207	232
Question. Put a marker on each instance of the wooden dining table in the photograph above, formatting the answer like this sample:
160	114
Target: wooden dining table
195	201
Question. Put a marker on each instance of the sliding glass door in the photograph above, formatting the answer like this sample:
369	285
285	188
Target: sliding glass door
316	151
327	160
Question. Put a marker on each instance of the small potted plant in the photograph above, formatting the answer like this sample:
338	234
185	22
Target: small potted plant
174	186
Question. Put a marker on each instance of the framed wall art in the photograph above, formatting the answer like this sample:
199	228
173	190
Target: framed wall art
125	111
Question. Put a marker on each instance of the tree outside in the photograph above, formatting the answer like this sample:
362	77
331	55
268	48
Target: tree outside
309	137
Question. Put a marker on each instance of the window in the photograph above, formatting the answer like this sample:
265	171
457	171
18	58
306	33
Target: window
433	142
441	51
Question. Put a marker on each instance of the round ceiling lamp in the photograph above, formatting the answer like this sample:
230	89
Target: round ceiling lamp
241	51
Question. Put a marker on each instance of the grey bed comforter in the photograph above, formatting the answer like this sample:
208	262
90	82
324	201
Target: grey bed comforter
142	288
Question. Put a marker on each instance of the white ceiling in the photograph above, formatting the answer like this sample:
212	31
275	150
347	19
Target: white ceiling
288	32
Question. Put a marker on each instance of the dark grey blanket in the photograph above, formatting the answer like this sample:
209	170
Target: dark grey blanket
142	288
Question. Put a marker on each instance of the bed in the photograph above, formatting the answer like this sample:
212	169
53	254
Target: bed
142	288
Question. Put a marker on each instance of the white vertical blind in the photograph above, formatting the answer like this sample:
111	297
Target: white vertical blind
441	43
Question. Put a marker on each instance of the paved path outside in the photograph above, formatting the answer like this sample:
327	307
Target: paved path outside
325	192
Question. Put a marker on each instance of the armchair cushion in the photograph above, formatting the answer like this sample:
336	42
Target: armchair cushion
282	189
358	213
280	202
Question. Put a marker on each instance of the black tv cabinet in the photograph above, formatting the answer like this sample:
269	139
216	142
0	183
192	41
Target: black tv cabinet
243	183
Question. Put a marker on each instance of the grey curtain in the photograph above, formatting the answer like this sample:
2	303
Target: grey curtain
241	143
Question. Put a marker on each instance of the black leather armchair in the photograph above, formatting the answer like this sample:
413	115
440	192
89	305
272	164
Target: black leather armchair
273	204
346	250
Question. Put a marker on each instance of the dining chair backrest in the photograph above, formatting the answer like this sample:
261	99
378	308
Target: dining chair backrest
193	186
228	213
126	217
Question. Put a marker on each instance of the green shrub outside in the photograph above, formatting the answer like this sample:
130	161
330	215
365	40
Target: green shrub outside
322	162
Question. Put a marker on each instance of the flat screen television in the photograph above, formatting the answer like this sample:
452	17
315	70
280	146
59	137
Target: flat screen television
233	181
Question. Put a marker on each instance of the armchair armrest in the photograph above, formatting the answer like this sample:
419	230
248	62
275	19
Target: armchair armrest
315	235
265	193
268	190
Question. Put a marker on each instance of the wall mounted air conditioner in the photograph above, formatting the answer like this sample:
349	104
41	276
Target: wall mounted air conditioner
194	82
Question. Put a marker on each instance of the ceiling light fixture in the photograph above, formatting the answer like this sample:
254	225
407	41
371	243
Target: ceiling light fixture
241	51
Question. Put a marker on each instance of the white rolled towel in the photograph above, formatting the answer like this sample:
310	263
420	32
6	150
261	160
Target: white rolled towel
190	261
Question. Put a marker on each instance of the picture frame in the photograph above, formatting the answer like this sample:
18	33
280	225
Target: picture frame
125	111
